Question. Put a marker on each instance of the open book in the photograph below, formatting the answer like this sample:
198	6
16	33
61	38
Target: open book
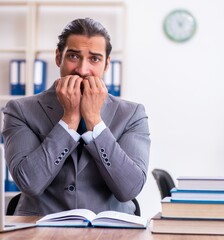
87	218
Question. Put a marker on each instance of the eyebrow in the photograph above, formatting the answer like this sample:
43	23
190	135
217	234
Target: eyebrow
78	51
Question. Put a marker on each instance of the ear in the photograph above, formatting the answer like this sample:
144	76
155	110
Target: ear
107	64
57	58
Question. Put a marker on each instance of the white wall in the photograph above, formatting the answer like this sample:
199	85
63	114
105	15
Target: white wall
181	86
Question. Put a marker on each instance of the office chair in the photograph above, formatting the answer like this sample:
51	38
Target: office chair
164	181
14	201
12	204
137	210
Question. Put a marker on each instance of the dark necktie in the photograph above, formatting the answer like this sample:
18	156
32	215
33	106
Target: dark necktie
81	129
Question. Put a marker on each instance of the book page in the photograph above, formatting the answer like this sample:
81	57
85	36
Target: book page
120	218
79	214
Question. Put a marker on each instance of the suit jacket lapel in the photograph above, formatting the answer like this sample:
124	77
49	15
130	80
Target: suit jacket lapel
108	111
51	105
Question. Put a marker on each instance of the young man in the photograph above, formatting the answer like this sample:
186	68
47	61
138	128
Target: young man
42	134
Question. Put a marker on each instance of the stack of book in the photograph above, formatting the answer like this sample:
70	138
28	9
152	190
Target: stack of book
196	206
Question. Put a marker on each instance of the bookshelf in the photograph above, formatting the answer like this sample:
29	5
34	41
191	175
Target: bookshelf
31	29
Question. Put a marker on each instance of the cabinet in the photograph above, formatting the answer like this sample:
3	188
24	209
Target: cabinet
30	28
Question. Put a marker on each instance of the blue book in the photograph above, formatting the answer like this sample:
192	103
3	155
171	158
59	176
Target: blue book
17	76
40	68
192	208
201	182
113	78
196	195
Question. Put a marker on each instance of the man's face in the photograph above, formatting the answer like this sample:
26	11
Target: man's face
83	56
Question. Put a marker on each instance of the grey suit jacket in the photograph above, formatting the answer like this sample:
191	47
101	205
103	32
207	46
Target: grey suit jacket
42	156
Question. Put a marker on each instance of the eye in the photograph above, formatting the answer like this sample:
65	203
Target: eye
95	59
72	56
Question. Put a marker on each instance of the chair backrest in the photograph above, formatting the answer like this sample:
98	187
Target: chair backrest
137	210
164	181
12	204
14	201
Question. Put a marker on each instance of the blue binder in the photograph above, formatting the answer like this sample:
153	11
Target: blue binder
1	125
113	77
10	185
40	73
17	76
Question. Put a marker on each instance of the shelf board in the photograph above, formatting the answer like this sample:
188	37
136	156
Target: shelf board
5	98
66	2
12	50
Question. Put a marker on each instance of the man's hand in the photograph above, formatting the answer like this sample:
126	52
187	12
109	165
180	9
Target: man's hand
69	95
92	99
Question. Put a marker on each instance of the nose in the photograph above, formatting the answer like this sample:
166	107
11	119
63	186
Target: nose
83	68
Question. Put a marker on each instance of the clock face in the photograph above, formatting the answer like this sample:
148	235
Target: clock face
179	25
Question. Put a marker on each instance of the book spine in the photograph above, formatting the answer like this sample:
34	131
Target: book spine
196	201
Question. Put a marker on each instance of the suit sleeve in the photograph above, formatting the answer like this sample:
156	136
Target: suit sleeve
33	162
122	159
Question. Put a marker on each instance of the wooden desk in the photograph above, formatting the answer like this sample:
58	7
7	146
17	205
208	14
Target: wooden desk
53	233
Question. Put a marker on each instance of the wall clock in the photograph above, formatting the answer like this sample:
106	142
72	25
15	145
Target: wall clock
179	25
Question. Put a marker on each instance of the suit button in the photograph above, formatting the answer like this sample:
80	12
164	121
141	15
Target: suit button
106	159
71	188
66	150
102	150
57	162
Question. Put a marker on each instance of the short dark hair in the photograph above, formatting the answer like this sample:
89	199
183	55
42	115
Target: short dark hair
87	27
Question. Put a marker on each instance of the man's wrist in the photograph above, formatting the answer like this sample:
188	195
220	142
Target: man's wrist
72	132
91	135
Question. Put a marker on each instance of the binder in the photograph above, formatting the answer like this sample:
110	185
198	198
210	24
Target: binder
113	77
10	185
1	126
108	77
116	77
22	77
17	76
40	68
